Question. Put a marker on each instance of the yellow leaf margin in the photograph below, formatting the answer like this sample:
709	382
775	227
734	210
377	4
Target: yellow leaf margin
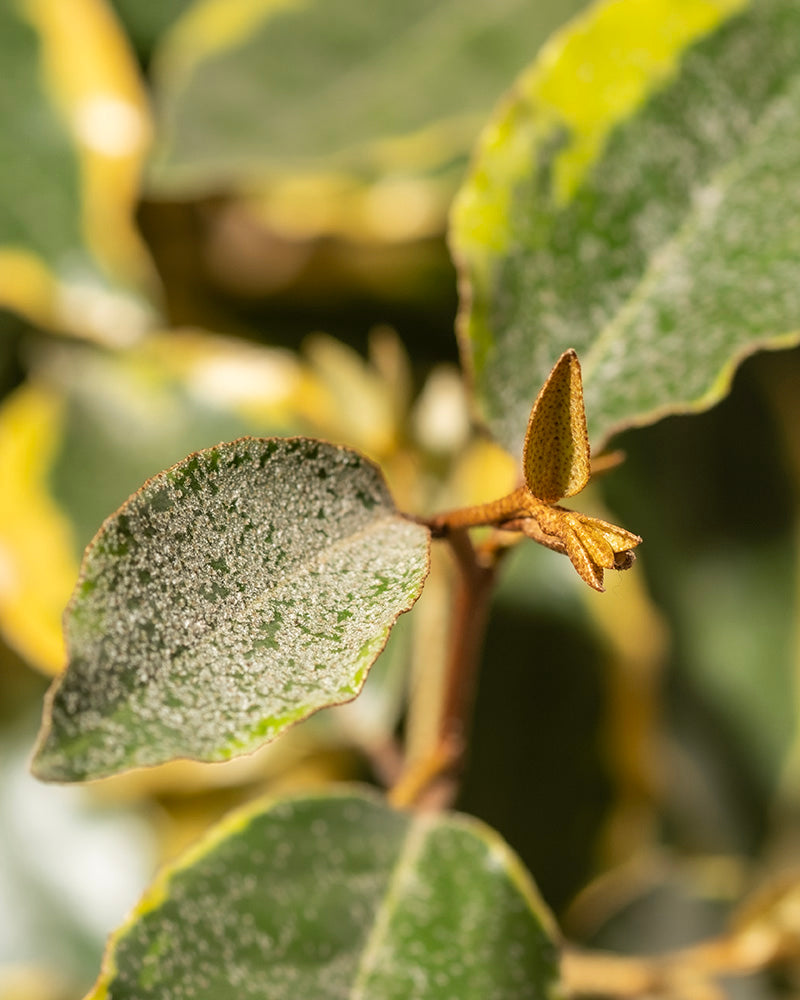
38	565
91	77
238	821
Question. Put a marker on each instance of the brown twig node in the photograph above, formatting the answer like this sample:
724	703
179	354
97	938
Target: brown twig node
556	464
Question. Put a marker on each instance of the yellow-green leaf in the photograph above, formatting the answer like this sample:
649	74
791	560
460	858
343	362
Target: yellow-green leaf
337	896
236	593
635	198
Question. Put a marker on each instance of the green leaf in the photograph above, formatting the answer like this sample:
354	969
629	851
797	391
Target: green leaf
74	127
90	425
743	664
337	896
234	594
373	88
636	199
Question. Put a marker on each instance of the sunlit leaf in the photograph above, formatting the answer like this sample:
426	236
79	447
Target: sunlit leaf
339	896
635	198
74	127
234	594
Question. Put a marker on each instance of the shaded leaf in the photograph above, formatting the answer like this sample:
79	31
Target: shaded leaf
738	636
337	896
635	198
336	91
145	21
74	127
722	571
234	594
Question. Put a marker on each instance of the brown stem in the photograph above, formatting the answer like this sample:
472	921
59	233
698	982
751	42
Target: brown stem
386	760
432	781
513	505
469	623
600	974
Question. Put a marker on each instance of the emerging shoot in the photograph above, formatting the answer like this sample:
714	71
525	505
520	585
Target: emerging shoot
556	464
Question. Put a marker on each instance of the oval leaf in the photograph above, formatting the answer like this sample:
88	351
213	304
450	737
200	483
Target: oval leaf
636	198
234	594
338	896
555	455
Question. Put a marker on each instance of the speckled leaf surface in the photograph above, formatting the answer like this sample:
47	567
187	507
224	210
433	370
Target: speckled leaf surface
338	897
636	198
74	127
89	426
236	593
244	91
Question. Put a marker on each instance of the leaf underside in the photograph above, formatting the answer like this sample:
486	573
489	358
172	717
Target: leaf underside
636	198
338	897
70	255
556	449
236	593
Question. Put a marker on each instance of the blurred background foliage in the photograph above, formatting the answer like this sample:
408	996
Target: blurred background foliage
225	218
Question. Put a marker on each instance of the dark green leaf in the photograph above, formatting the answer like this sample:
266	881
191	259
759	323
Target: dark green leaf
338	897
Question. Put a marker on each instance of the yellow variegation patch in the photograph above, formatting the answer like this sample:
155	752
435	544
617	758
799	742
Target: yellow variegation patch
575	89
37	561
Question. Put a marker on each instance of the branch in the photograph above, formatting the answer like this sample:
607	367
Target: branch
685	974
433	780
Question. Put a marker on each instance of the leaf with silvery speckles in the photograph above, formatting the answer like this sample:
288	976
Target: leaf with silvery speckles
338	897
636	197
235	594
